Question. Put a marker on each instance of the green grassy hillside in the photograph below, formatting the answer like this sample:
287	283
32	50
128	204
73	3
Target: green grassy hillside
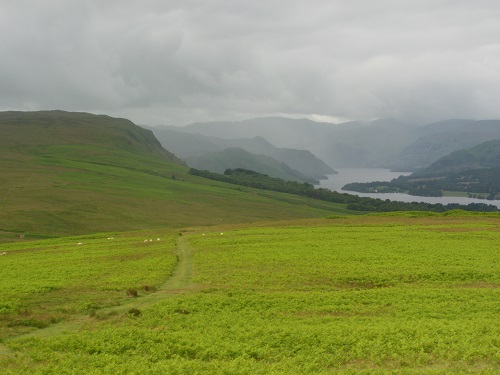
483	155
35	132
73	173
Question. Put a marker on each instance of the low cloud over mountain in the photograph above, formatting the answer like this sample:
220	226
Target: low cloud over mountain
177	62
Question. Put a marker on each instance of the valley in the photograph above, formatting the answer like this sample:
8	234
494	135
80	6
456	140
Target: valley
117	257
116	177
249	187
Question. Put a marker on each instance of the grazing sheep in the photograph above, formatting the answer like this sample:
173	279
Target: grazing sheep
79	243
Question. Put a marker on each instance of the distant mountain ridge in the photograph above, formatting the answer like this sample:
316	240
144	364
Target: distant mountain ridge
233	158
280	131
440	139
385	143
338	145
198	149
483	155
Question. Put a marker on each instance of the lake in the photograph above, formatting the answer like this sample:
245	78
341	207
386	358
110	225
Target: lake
347	175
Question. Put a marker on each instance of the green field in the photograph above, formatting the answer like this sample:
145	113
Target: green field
406	294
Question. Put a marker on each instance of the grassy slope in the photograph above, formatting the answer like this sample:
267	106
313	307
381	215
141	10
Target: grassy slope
409	294
72	173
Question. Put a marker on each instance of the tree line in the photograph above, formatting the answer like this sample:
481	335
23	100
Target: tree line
245	177
484	181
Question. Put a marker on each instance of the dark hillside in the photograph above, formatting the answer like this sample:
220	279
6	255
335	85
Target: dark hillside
484	155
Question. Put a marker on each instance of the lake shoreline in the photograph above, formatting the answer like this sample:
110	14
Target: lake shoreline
335	182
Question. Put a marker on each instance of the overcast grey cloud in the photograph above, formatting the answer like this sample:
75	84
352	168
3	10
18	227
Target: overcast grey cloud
175	62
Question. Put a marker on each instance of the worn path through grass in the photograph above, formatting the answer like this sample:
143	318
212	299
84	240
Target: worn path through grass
176	283
179	281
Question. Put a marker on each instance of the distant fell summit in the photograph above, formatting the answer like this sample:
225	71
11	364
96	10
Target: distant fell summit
210	152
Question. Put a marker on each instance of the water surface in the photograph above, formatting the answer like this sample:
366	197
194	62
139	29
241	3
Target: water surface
348	175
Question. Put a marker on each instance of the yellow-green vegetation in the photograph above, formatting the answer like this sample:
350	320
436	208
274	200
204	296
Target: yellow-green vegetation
410	294
49	281
75	173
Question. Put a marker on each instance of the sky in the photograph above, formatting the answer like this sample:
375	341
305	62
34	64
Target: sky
176	62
